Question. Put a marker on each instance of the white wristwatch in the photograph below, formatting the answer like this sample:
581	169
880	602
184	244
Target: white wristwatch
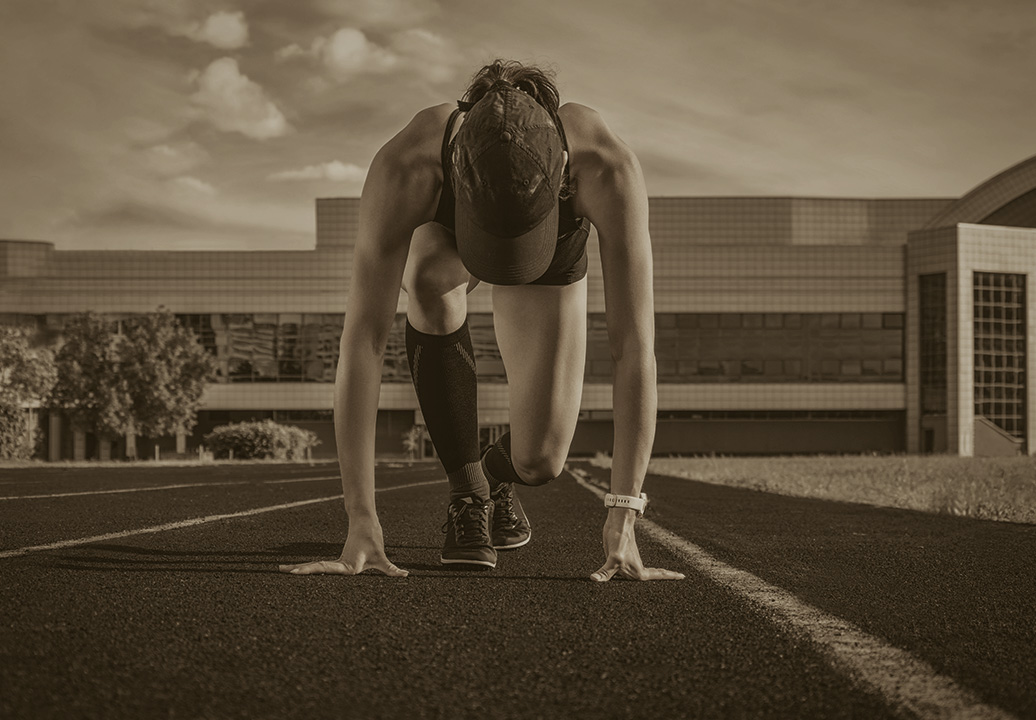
627	501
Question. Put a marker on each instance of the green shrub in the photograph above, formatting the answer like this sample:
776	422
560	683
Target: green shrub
260	440
13	445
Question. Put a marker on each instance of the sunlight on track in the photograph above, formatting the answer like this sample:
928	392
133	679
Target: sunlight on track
905	681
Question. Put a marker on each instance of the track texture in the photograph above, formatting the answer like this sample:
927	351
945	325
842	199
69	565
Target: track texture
197	622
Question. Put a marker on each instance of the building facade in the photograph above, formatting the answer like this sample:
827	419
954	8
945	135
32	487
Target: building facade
783	325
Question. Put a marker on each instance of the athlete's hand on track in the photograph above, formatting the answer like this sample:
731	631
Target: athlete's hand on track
364	550
623	556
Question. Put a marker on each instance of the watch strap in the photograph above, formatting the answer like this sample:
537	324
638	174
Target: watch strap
627	501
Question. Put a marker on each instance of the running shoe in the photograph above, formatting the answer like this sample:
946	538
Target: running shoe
511	527
467	533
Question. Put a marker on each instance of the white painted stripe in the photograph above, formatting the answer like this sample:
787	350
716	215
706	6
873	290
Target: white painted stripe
905	681
166	487
191	522
302	480
122	490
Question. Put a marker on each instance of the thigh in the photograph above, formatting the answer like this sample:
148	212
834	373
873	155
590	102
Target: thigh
436	281
541	332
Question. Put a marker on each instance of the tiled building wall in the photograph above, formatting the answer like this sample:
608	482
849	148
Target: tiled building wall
1000	250
24	259
931	251
819	273
787	221
961	251
338	220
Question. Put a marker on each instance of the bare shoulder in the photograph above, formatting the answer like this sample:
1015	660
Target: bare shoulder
587	130
599	161
418	144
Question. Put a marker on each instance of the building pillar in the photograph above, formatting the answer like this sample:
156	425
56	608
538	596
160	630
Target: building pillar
54	441
78	445
104	449
131	445
181	442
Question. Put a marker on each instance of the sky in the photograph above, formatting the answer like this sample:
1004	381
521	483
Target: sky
214	124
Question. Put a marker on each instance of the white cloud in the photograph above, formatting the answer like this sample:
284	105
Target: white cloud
180	18
430	55
335	171
175	158
194	184
346	54
291	51
380	13
225	30
234	103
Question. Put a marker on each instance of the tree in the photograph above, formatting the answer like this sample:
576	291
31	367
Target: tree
165	369
27	373
91	387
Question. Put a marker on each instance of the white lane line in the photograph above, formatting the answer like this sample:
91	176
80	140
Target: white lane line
122	490
906	682
301	480
191	522
166	487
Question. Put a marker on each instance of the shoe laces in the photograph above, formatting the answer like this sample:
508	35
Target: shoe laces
503	509
470	519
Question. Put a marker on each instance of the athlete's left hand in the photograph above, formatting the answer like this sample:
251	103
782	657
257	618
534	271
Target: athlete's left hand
623	556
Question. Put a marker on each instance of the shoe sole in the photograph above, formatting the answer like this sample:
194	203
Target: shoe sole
515	545
486	563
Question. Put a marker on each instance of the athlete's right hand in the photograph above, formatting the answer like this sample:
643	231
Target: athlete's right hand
364	550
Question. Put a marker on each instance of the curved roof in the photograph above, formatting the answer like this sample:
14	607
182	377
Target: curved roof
1005	199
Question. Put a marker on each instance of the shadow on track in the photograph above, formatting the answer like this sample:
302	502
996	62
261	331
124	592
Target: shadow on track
131	559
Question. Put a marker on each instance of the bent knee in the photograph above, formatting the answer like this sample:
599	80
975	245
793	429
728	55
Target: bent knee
539	470
429	278
433	267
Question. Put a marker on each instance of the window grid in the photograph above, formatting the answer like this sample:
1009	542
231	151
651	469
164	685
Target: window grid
690	347
932	357
1000	331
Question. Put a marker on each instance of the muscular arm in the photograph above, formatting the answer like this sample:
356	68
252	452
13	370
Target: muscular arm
612	193
398	196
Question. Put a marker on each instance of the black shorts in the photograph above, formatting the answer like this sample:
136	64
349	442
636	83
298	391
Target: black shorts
569	263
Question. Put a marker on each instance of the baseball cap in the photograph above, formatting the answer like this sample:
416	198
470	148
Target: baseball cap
506	168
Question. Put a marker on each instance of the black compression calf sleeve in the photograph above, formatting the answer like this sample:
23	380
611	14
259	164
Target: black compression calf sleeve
443	370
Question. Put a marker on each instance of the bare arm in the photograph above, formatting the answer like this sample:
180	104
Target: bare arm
398	196
613	195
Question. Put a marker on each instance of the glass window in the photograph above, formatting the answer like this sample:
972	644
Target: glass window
851	320
933	358
852	368
999	311
752	367
892	321
871	321
687	320
709	367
